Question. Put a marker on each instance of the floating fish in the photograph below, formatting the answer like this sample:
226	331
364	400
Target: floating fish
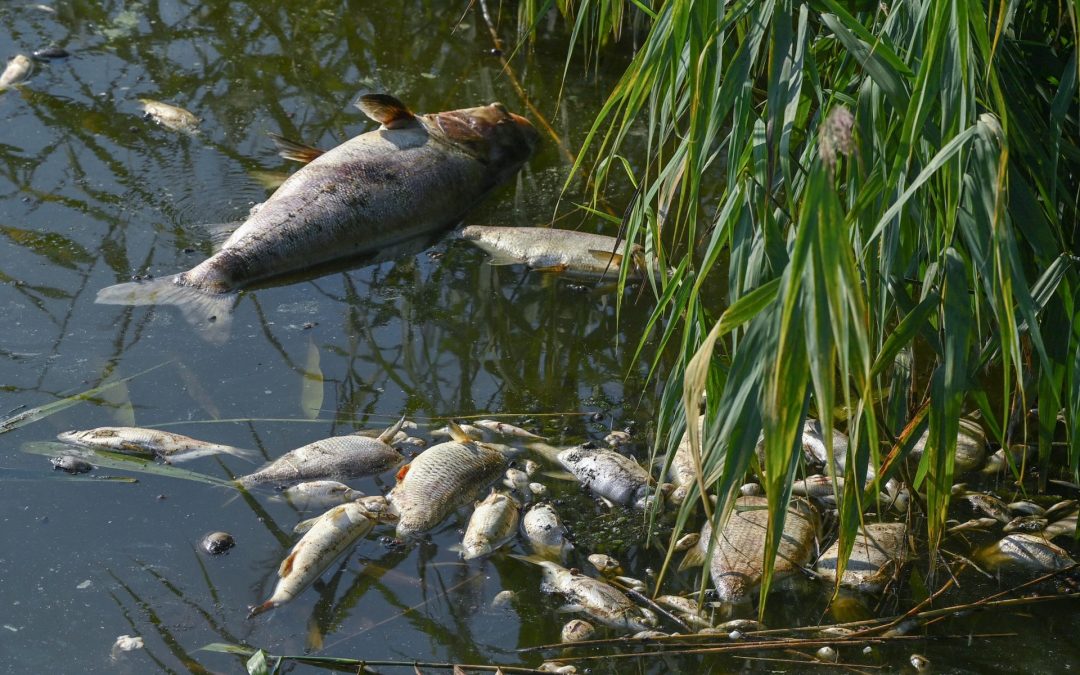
683	471
739	552
320	494
442	478
577	630
544	531
330	536
608	474
414	175
340	457
494	523
878	552
170	116
1031	551
577	254
595	598
970	446
165	445
17	70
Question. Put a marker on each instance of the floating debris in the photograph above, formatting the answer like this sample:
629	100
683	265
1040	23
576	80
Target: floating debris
577	630
217	543
71	464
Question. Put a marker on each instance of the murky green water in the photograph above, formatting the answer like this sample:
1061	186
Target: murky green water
92	194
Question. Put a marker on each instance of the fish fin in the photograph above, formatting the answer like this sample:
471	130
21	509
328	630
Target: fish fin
294	150
209	313
607	256
458	434
389	434
256	610
402	471
559	475
386	110
242	453
500	259
551	269
695	557
305	525
534	559
286	565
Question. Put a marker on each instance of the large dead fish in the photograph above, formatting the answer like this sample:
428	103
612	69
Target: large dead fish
442	478
415	174
738	555
167	446
340	457
578	254
878	551
970	446
329	536
608	474
1032	551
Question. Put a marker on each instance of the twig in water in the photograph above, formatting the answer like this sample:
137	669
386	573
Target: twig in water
645	600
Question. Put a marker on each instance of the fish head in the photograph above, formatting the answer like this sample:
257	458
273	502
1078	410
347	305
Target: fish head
491	133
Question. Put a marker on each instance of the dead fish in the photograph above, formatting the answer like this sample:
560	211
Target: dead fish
1018	454
340	457
1061	509
605	564
490	431
544	531
683	471
1026	508
618	439
332	534
414	175
442	478
1031	551
494	523
517	480
1027	524
546	249
738	554
973	524
169	116
71	464
1063	526
608	474
970	446
18	69
816	486
989	505
577	630
167	446
595	598
374	504
878	552
320	494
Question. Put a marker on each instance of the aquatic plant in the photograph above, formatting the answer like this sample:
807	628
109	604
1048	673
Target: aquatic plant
886	192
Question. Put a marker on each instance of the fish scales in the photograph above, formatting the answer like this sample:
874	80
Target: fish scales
340	457
878	549
134	440
607	473
598	599
570	251
494	522
414	175
738	555
439	480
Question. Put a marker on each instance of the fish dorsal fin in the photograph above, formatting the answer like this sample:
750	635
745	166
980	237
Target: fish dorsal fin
286	565
386	110
458	434
389	434
305	525
294	150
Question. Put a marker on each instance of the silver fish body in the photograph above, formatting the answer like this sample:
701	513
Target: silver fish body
317	494
134	440
683	471
340	457
414	175
494	523
1031	551
16	71
879	550
439	480
579	254
970	446
170	116
608	474
544	531
330	535
595	598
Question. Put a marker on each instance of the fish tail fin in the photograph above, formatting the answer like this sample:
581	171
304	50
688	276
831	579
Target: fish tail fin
209	313
294	150
533	559
695	557
242	453
256	610
389	434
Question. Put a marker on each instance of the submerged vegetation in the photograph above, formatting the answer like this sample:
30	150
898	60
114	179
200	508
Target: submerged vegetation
887	192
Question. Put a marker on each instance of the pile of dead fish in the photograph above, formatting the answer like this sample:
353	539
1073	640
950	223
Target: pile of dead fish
495	468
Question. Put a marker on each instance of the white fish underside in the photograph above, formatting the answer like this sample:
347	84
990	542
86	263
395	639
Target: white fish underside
134	440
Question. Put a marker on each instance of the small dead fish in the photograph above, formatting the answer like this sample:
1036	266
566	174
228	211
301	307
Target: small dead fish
1025	508
687	542
816	486
1060	509
605	564
1029	524
503	599
751	490
320	494
18	70
608	474
494	523
990	505
170	116
502	430
970	446
1017	455
1031	551
442	478
532	467
340	457
741	625
71	464
577	254
168	447
877	554
686	609
577	630
618	439
1063	526
631	583
899	495
597	599
544	531
683	471
973	524
330	536
517	480
538	489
